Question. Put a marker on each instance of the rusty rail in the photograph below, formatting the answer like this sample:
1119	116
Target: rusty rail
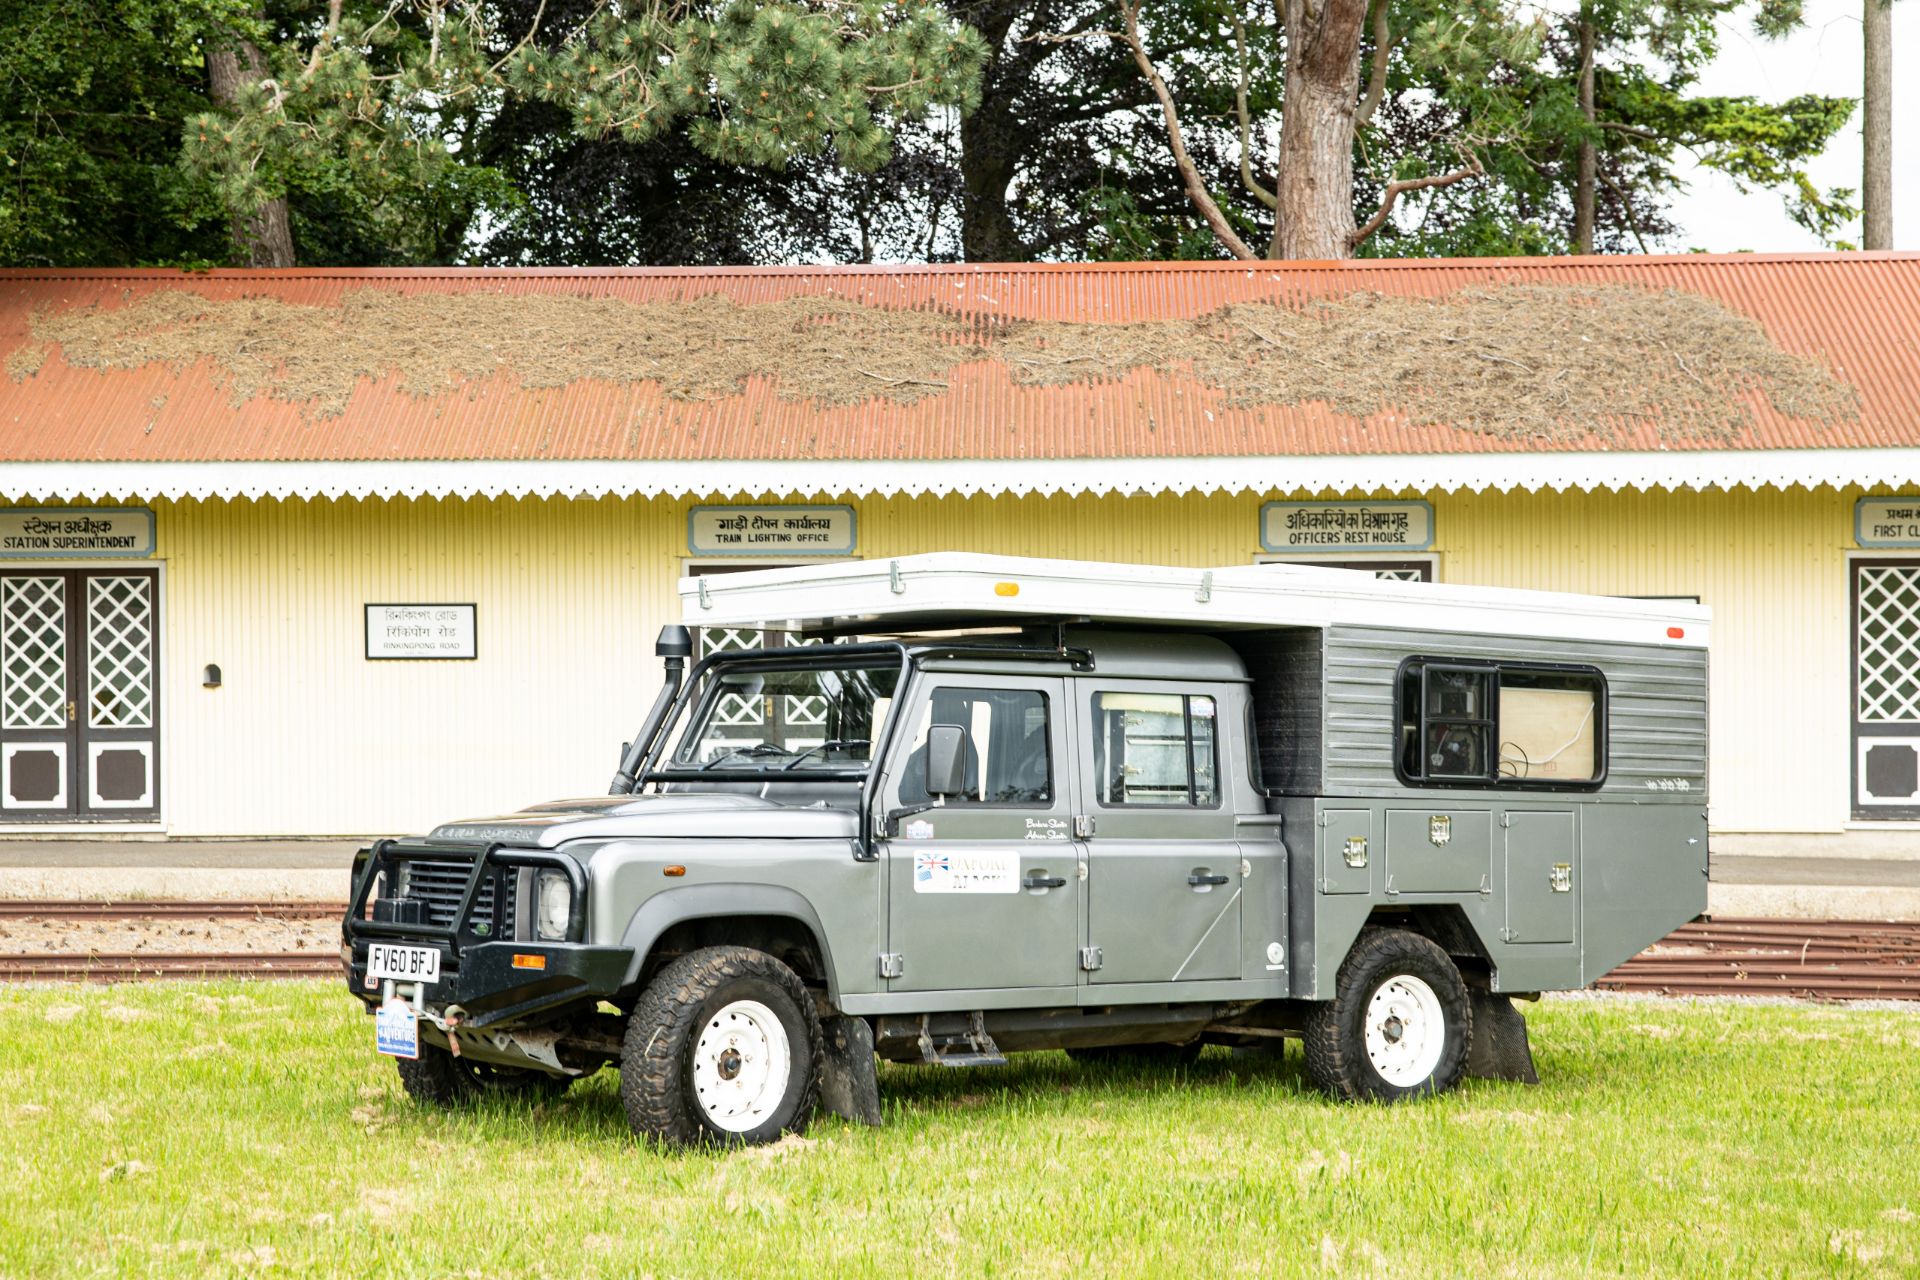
134	966
1807	959
136	909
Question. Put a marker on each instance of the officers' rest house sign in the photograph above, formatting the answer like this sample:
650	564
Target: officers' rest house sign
444	631
771	531
65	533
1887	522
1346	526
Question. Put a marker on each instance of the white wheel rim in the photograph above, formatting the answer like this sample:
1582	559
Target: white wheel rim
741	1065
1405	1031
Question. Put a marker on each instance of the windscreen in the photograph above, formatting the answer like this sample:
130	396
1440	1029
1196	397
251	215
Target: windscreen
789	719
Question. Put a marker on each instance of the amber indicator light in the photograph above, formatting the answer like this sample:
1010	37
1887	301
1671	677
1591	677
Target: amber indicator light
529	962
1676	633
1006	588
675	870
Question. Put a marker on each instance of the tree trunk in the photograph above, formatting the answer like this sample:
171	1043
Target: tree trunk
1584	180
262	238
989	158
1313	191
990	141
1876	127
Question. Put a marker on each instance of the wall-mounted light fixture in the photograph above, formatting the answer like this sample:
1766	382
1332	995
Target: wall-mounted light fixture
212	677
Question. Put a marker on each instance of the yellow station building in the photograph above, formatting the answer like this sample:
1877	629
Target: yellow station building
354	552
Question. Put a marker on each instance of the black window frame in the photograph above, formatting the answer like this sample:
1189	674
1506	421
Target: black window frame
1494	669
1192	805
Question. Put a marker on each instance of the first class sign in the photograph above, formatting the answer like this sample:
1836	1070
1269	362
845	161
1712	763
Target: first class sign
1887	522
75	533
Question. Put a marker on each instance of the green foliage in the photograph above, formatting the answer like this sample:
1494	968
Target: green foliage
1521	114
92	93
373	100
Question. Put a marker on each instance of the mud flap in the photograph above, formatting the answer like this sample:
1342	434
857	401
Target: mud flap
849	1083
1499	1050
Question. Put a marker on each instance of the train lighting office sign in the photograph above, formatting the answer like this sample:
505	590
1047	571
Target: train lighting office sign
443	631
76	533
1321	527
771	531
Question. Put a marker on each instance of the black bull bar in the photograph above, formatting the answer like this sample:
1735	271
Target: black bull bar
484	972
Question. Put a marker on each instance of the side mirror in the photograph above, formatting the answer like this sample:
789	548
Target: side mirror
946	760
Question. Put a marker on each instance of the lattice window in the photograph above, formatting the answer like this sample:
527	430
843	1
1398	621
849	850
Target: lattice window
734	709
120	652
1887	640
33	652
1400	575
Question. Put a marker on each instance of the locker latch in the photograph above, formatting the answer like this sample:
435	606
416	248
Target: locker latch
1561	877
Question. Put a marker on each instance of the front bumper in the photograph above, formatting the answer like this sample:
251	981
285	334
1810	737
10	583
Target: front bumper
495	982
496	986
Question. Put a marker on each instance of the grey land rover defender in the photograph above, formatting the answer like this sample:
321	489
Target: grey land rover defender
1092	837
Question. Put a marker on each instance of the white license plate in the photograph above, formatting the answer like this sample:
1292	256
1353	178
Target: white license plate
403	964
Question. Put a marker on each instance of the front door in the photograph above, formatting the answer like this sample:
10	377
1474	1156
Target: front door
1886	688
1163	860
79	695
984	888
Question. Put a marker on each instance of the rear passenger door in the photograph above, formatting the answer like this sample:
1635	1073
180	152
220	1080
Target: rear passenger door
1163	859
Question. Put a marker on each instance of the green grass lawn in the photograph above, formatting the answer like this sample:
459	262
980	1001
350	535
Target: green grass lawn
176	1129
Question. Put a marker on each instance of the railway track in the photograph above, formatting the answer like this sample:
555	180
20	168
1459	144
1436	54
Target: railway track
156	909
135	966
1805	959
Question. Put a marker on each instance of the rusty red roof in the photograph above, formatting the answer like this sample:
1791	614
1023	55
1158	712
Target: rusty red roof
1857	314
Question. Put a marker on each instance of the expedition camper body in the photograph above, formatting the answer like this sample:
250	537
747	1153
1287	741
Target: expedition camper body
1105	808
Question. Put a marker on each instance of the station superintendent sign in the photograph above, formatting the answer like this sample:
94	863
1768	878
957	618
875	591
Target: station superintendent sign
61	533
1346	526
1887	522
445	631
771	531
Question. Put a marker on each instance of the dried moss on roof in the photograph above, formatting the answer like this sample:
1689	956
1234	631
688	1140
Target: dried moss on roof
1510	361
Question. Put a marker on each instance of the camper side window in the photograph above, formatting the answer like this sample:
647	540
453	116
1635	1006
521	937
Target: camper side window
1501	724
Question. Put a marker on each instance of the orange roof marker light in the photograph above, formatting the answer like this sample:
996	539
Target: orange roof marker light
1006	588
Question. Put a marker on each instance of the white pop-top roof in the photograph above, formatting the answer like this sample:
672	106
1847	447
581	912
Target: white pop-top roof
941	587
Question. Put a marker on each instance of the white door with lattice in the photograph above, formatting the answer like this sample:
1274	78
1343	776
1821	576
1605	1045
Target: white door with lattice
79	695
1886	688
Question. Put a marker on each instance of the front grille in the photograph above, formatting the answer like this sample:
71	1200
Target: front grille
441	885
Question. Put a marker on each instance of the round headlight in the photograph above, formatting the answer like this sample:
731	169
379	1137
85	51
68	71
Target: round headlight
553	905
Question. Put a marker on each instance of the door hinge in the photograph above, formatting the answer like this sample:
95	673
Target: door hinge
1090	958
1083	826
892	964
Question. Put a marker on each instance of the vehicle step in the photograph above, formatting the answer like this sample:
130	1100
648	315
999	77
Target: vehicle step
993	1059
972	1047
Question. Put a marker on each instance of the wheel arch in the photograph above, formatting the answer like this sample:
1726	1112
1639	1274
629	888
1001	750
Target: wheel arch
769	918
1446	923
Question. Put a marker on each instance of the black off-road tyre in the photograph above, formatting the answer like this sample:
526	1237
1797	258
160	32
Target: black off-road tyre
657	1061
1141	1055
437	1078
1336	1031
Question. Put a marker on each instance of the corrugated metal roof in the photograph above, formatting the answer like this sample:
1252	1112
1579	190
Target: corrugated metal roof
1857	313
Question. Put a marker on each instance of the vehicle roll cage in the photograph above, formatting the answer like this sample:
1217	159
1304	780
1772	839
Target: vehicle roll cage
836	654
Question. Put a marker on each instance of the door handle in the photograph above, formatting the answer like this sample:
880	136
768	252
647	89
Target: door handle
1043	882
1197	879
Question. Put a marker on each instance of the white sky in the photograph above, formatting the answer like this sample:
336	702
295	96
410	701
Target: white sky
1824	57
